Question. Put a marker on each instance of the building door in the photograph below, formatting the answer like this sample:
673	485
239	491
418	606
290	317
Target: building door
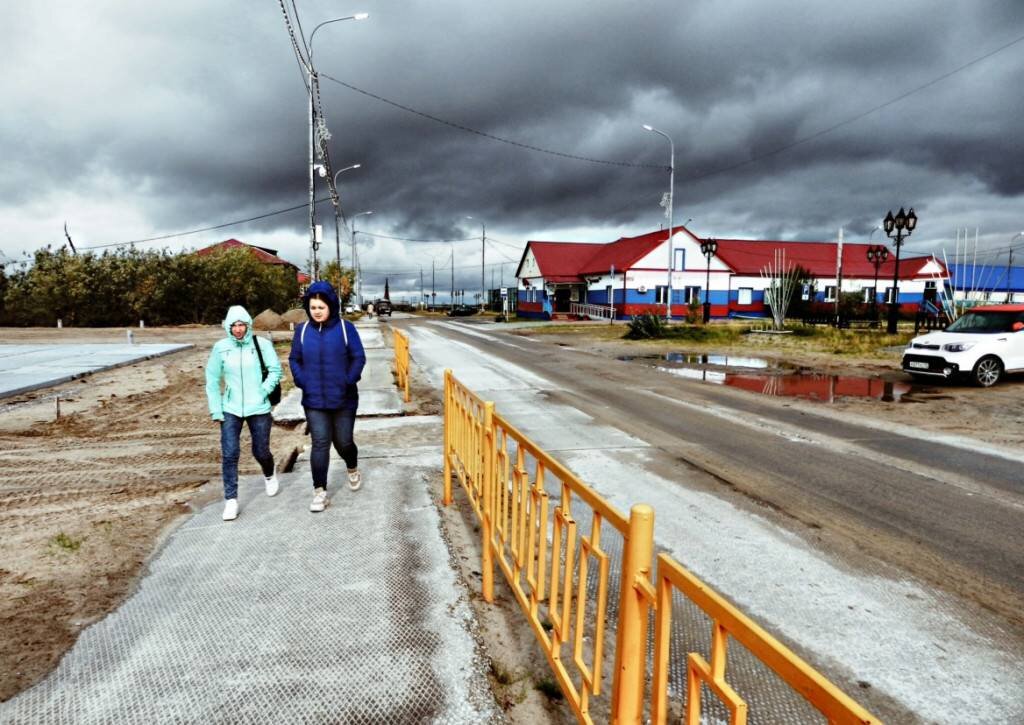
562	299
930	291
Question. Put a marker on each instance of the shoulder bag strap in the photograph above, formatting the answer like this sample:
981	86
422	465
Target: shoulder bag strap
259	354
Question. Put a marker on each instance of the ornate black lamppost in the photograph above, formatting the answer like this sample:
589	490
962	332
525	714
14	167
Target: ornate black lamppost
877	256
897	228
708	247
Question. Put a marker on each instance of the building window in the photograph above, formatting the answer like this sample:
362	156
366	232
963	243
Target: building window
678	260
830	293
745	296
609	295
807	292
574	294
693	294
660	294
888	295
869	294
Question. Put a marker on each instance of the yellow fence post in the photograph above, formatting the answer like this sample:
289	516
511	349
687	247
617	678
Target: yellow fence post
487	563
448	413
631	637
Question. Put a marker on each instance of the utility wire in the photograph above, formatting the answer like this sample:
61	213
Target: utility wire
707	174
206	229
492	137
426	241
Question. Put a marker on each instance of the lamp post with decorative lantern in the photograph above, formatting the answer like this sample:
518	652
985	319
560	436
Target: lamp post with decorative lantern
897	228
708	247
877	255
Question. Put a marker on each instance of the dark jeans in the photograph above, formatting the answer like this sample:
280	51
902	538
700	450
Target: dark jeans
326	427
230	432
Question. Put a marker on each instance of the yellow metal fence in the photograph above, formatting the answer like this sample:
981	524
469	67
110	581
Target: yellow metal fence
582	572
401	345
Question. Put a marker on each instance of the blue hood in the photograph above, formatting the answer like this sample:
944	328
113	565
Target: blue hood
324	288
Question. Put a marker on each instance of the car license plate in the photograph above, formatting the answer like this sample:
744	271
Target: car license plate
918	365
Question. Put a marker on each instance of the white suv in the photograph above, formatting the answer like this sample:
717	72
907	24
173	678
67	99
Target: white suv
982	344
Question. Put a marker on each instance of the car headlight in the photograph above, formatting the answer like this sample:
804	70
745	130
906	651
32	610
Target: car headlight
958	346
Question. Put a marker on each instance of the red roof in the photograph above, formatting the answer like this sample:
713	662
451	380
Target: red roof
267	256
567	261
561	261
750	257
626	251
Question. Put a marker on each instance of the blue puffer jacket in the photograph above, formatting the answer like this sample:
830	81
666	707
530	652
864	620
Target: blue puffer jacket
323	364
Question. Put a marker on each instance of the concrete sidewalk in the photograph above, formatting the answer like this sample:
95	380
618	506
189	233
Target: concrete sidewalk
352	615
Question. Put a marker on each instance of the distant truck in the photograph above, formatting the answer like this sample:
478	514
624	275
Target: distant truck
382	307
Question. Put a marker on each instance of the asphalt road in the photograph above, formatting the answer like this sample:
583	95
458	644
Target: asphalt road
945	513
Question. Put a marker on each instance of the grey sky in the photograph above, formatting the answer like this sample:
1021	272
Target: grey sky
132	120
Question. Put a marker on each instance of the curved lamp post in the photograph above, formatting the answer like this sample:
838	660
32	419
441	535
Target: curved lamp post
336	200
671	204
708	247
877	255
897	228
311	74
355	258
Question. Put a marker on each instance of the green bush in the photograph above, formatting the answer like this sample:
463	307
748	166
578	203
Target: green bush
124	286
645	327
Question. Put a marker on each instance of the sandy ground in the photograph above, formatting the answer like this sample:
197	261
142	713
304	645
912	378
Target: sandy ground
85	499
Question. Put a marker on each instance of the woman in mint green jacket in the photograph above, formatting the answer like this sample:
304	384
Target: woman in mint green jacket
235	365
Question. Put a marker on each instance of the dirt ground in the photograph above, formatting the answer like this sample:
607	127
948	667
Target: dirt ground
85	500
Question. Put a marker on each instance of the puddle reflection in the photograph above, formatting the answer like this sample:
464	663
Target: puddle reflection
808	386
706	359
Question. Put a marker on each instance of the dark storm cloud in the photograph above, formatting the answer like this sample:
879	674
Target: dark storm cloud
138	120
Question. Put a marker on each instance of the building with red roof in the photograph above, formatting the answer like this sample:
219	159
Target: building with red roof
630	275
264	254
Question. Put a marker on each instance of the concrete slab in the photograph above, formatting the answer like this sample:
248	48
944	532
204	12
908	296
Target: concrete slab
352	615
30	367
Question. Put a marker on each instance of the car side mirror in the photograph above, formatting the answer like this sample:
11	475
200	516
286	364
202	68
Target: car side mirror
1017	326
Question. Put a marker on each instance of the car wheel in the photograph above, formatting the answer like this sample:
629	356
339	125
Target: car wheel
987	371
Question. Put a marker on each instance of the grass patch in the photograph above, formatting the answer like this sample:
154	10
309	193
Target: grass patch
548	687
848	342
65	542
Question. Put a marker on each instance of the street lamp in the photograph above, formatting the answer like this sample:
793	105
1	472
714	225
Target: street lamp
897	228
877	255
311	73
336	199
708	247
355	258
483	246
671	203
1009	266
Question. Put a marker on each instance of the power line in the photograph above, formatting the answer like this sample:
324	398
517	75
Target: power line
859	116
427	241
205	229
492	137
707	174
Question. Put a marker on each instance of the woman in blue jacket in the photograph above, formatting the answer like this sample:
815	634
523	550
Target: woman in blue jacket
235	363
327	360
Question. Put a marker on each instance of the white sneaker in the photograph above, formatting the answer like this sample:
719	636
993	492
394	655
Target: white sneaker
272	485
230	509
320	500
354	479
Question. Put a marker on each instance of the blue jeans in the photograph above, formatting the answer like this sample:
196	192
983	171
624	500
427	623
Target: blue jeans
230	432
326	427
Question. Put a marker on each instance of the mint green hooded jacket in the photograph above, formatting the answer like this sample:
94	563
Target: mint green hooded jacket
235	364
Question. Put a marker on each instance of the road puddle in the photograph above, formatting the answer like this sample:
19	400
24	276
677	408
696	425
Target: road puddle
687	358
807	386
